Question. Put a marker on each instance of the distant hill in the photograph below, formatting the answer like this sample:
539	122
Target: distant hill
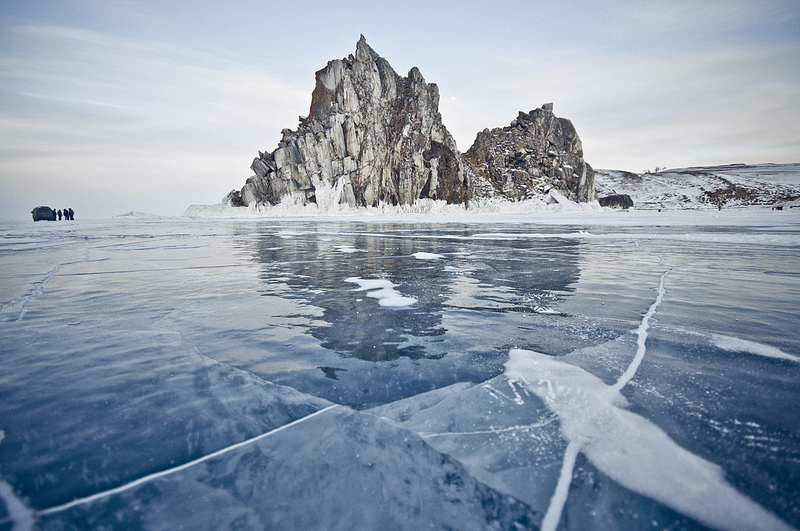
733	185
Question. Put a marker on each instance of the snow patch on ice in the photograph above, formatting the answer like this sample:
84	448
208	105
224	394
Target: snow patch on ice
632	450
383	290
735	344
292	206
18	515
427	256
348	249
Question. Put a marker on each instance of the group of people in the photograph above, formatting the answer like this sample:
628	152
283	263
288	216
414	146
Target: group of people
68	214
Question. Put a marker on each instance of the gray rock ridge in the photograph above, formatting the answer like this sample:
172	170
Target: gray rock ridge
537	152
623	201
372	136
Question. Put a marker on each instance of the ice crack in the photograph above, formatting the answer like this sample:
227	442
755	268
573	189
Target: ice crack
553	515
491	431
157	475
641	332
21	302
576	445
496	393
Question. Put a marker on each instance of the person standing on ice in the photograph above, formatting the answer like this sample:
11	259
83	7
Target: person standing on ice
58	213
71	215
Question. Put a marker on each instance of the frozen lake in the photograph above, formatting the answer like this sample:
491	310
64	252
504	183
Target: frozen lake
633	370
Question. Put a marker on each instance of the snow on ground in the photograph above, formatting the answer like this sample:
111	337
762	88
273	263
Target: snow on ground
735	185
383	290
706	187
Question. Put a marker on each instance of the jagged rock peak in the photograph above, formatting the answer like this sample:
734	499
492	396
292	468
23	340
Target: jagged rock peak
372	136
536	152
364	51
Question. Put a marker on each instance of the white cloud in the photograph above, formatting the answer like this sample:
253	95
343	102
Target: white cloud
655	18
118	123
636	110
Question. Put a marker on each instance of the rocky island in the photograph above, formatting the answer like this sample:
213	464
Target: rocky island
372	137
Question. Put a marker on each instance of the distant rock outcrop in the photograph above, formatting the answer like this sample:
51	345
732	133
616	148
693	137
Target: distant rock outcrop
374	137
538	151
616	201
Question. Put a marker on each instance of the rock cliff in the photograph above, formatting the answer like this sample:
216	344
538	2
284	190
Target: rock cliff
538	151
372	136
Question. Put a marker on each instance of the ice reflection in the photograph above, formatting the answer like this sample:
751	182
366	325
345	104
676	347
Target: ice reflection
453	268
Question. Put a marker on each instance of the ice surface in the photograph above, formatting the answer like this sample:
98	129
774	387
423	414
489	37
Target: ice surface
561	369
632	450
327	471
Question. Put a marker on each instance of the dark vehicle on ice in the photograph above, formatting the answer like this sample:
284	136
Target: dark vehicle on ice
43	213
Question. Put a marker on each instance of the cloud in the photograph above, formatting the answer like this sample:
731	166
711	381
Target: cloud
699	20
639	109
126	122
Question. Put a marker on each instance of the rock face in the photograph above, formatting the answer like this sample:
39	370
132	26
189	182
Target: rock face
538	151
374	137
616	201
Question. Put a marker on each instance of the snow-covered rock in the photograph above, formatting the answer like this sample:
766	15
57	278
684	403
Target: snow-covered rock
706	187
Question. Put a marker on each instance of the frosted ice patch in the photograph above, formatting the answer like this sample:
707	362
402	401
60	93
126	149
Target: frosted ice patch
383	290
734	344
348	249
19	515
427	256
632	450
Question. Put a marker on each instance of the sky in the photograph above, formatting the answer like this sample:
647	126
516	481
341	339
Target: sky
117	106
